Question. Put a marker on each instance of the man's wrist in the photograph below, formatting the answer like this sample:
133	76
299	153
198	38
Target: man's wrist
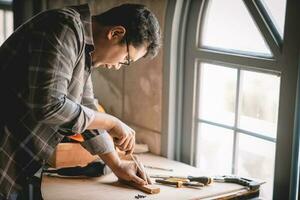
111	159
114	121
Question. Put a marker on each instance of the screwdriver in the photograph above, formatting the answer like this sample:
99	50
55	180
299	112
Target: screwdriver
178	183
200	179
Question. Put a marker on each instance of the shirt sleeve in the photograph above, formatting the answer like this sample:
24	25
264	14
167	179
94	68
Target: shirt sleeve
54	48
96	141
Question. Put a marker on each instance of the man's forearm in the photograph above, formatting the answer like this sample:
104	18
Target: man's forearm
111	159
102	121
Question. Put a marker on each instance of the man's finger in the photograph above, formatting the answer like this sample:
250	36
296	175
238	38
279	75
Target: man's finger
143	172
130	147
119	141
147	175
125	144
141	168
130	151
138	180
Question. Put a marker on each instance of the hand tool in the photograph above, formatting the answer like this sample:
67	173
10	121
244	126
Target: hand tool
251	184
179	183
159	168
200	179
93	169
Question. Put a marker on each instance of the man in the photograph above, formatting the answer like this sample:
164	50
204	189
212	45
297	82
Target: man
47	90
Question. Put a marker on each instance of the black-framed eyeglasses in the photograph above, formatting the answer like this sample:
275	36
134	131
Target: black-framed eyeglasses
127	60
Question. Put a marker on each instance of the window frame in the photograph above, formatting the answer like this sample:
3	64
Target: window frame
179	112
5	5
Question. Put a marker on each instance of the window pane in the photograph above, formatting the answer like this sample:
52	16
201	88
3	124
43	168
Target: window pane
217	92
1	26
257	162
214	149
276	11
228	25
259	102
9	23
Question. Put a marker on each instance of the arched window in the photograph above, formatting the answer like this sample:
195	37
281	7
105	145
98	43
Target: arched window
235	88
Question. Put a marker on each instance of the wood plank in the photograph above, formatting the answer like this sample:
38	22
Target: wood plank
70	154
150	189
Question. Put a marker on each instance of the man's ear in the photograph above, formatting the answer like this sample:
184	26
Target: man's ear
116	33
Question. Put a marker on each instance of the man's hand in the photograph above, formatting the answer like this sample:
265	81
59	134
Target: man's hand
125	170
141	167
128	170
124	136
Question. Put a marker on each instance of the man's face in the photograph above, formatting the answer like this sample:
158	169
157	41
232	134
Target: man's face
116	56
110	53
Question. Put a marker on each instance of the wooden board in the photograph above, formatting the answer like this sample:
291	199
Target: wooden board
70	154
150	189
109	188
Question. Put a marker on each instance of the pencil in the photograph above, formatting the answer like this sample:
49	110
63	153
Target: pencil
137	164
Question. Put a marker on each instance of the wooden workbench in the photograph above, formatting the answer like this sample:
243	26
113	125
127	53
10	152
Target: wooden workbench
108	188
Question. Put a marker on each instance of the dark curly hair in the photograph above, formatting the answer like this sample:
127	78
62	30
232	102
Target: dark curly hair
140	23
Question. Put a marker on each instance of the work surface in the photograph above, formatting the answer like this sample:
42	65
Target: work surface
108	187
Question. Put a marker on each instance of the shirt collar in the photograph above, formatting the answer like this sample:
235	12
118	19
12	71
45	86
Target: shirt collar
85	17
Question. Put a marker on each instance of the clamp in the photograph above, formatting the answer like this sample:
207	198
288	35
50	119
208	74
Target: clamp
251	184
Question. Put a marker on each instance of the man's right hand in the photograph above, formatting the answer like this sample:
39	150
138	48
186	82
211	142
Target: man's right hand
128	170
125	170
124	136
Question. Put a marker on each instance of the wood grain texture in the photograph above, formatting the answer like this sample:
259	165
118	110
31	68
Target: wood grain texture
70	154
109	188
150	189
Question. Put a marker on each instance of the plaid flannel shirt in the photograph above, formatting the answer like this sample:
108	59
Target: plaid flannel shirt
46	92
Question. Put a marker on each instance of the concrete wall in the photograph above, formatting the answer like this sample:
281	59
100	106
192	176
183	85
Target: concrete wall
133	94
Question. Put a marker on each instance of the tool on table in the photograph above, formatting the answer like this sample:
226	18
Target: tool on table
93	169
251	184
159	168
200	179
179	182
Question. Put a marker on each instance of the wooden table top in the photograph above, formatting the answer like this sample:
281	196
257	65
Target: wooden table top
108	188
